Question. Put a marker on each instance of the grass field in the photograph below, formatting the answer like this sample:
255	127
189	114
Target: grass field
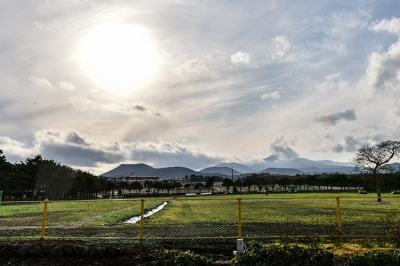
270	215
206	216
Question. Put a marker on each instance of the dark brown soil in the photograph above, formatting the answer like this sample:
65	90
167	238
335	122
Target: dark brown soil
155	253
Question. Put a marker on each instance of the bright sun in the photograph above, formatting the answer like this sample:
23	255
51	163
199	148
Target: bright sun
119	57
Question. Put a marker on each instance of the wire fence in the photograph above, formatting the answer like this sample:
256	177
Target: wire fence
195	218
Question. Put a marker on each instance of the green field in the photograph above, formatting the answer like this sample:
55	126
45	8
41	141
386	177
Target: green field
202	216
266	215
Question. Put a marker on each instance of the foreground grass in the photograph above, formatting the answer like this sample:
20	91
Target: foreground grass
63	212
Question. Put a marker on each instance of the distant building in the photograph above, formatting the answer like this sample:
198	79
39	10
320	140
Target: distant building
140	178
131	179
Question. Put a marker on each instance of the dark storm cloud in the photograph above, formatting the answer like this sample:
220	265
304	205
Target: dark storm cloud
332	119
77	150
350	145
183	158
338	148
281	150
78	155
157	113
140	108
74	138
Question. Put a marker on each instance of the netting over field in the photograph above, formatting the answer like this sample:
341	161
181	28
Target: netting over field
195	217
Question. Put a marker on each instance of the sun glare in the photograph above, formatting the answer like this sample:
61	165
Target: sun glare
119	57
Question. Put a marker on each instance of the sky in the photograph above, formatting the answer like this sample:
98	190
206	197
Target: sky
93	84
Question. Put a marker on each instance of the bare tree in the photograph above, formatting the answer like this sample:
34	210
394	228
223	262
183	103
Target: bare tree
374	159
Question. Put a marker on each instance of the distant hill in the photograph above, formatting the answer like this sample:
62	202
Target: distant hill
329	170
240	168
281	171
139	169
219	170
171	172
146	170
395	166
303	163
284	167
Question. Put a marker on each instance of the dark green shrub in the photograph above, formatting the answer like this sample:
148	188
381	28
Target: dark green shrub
365	259
370	259
387	259
258	254
190	258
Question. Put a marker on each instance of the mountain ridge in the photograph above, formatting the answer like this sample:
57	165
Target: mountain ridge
288	167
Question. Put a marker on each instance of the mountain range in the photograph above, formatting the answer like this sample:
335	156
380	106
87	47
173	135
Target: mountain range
288	167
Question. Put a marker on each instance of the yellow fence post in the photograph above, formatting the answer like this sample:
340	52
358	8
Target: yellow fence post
339	218
46	202
141	237
240	217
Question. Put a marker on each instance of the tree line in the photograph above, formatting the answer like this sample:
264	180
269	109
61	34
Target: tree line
314	182
36	178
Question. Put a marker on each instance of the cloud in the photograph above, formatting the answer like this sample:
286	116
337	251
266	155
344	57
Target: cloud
157	113
193	69
230	78
282	46
383	69
281	150
14	150
271	95
332	119
123	108
333	83
66	85
350	144
170	154
68	147
392	26
71	148
74	138
79	156
272	158
140	108
341	24
39	24
41	82
338	148
7	78
241	58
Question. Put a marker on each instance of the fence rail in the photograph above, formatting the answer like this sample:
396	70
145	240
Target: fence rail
194	218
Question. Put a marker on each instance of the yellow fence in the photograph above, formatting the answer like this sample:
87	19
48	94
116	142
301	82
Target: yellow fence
195	218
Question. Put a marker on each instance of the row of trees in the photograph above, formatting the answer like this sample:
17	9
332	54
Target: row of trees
157	186
257	182
200	178
37	177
